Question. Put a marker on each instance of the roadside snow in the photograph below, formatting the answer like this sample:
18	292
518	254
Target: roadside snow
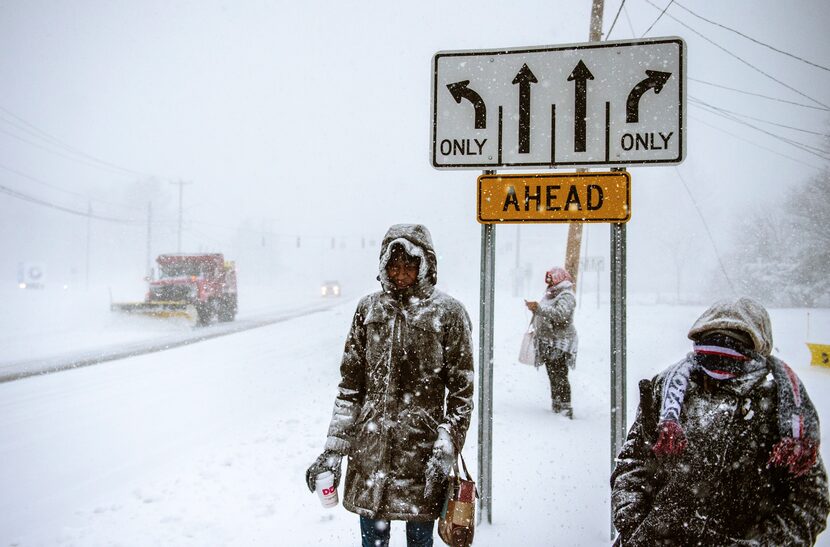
208	444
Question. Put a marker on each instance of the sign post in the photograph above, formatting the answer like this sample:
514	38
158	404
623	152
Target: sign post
485	359
599	104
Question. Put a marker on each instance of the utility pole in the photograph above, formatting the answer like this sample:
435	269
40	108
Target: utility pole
181	184
149	238
88	239
518	278
575	228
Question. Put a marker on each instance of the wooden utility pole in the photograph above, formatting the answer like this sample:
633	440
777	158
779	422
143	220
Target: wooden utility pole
88	239
572	252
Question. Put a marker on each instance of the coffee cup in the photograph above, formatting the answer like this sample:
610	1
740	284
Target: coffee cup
326	489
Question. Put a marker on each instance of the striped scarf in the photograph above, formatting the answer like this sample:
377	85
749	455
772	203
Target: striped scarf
797	418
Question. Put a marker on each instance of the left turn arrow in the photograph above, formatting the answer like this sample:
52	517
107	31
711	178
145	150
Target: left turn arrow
459	90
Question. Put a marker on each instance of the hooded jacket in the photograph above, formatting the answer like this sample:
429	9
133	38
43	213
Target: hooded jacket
407	368
721	489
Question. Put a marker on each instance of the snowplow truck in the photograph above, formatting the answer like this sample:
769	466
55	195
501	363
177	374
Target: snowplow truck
201	287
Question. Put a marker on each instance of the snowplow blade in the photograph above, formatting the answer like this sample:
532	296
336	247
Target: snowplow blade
157	309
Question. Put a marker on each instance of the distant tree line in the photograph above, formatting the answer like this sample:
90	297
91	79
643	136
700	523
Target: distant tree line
782	254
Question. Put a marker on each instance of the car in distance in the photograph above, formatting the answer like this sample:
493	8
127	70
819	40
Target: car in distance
330	288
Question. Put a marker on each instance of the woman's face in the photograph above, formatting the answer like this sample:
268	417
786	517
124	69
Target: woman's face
402	271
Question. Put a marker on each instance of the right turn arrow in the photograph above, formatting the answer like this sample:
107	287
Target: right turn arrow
656	80
459	90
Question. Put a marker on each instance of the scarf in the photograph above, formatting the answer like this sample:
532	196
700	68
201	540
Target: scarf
798	425
552	291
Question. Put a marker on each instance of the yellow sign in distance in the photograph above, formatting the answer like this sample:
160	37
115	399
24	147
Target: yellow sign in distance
554	197
820	354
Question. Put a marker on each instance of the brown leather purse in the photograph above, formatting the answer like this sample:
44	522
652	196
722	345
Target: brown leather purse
457	522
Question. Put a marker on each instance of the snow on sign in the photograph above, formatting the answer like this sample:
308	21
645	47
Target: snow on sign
594	104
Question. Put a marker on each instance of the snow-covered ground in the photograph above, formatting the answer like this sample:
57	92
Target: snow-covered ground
42	324
207	444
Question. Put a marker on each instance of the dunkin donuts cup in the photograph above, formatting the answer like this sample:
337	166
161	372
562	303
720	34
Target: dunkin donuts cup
326	489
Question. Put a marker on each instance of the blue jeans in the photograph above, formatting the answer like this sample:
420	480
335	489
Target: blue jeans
375	533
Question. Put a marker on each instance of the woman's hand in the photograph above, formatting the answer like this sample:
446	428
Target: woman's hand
531	305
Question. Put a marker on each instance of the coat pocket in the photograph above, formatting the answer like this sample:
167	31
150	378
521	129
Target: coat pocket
424	341
378	348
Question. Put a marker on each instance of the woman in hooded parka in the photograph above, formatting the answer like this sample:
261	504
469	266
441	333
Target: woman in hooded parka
725	446
405	395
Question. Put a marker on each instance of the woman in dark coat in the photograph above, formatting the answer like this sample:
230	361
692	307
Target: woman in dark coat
725	446
405	397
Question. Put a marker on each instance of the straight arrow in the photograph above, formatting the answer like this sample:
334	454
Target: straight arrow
459	90
580	77
656	80
524	78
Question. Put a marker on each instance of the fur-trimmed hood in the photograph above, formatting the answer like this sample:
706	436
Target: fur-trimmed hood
416	241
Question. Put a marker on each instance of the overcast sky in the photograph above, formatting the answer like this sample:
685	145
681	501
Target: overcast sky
313	119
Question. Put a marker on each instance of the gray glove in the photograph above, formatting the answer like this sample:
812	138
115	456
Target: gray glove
439	463
327	461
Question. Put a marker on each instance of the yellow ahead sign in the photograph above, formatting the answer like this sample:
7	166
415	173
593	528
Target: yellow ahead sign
554	197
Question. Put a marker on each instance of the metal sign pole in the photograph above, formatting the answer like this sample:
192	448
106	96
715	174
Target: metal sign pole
618	342
485	377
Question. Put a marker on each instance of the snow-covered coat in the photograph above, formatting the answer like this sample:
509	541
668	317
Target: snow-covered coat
553	320
721	490
407	368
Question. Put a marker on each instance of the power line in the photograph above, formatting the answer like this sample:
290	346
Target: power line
57	152
658	18
628	20
753	143
802	146
610	30
44	203
747	116
708	231
53	187
758	94
35	131
750	38
744	61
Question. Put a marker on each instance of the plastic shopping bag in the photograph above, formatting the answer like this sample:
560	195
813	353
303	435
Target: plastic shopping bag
527	352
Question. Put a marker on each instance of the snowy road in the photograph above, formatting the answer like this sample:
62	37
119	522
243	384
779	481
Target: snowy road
16	370
207	444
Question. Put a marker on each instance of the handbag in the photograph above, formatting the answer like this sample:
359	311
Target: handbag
457	522
527	351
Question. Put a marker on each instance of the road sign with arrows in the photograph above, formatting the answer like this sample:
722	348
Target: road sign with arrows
596	104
